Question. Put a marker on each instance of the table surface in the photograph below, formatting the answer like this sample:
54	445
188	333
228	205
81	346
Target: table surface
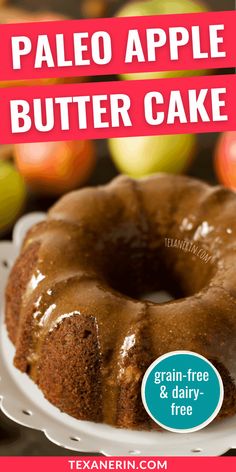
16	440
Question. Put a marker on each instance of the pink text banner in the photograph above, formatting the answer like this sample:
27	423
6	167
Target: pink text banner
118	109
125	464
76	48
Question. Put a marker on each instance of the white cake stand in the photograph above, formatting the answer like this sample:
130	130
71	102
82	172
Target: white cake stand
23	402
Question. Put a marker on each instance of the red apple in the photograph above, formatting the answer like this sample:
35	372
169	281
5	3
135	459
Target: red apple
225	159
55	167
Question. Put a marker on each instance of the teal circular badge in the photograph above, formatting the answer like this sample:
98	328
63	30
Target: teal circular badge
182	391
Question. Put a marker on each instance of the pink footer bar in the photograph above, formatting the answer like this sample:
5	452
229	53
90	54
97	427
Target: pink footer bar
67	464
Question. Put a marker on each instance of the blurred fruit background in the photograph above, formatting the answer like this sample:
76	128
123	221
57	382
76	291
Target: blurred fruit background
32	176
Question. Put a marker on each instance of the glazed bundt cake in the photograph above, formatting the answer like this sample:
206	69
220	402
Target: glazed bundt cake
75	301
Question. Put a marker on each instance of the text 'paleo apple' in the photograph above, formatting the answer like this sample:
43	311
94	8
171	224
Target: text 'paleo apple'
54	168
161	7
141	156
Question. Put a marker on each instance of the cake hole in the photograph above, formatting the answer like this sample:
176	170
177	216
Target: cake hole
27	412
154	273
134	452
75	439
197	450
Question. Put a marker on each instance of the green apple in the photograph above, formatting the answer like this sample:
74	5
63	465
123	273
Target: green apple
142	156
162	7
12	195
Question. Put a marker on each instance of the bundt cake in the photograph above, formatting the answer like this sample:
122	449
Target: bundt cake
75	301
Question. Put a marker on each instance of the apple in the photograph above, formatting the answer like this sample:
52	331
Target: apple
141	156
54	168
225	159
12	195
161	7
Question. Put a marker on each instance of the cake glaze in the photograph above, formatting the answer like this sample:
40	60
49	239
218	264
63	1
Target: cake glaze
75	303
